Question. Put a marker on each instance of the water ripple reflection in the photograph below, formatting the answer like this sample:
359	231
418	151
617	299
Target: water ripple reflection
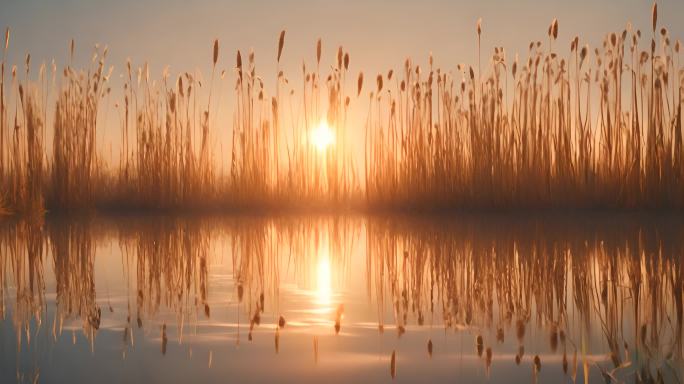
342	298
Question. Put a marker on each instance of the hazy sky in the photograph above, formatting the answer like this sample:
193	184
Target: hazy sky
378	34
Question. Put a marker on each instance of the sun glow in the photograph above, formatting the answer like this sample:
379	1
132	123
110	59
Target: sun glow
322	136
324	280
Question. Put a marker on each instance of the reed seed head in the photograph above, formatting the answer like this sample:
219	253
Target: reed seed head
583	54
340	56
281	44
318	51
216	51
393	364
359	84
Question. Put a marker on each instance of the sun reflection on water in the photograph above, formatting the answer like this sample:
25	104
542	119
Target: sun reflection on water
324	280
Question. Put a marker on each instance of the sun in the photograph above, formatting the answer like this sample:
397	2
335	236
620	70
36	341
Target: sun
322	136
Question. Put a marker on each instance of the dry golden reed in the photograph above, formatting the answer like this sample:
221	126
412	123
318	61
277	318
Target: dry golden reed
584	129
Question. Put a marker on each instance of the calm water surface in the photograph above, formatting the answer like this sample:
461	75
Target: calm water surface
342	299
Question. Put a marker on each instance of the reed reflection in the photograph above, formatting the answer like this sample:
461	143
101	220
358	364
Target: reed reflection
588	297
574	282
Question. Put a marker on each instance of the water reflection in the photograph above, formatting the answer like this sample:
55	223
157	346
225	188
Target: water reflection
338	298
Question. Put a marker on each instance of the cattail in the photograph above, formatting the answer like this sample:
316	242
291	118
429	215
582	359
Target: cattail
520	330
281	44
239	64
654	16
7	35
339	57
537	363
346	61
554	29
277	340
359	84
216	51
318	51
71	49
379	81
429	347
393	364
479	27
281	322
180	86
488	357
515	67
164	339
583	54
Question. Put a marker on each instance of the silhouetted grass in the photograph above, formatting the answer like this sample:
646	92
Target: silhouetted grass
563	128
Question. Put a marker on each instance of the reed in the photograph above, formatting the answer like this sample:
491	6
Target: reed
579	128
439	140
74	162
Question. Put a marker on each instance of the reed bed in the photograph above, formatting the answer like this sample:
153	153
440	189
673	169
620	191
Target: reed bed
561	128
583	129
